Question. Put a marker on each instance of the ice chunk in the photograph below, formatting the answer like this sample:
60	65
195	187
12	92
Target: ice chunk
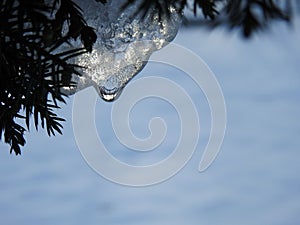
123	46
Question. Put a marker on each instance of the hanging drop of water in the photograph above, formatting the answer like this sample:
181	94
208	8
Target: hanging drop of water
109	95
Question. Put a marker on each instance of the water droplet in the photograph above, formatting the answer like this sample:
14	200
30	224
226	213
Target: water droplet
109	95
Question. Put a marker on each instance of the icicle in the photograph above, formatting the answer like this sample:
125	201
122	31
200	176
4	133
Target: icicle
123	46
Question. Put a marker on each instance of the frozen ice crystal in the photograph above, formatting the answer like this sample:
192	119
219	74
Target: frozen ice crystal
124	44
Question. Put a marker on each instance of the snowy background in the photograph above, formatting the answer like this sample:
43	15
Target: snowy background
254	180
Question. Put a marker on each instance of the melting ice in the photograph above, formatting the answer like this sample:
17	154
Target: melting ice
123	46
